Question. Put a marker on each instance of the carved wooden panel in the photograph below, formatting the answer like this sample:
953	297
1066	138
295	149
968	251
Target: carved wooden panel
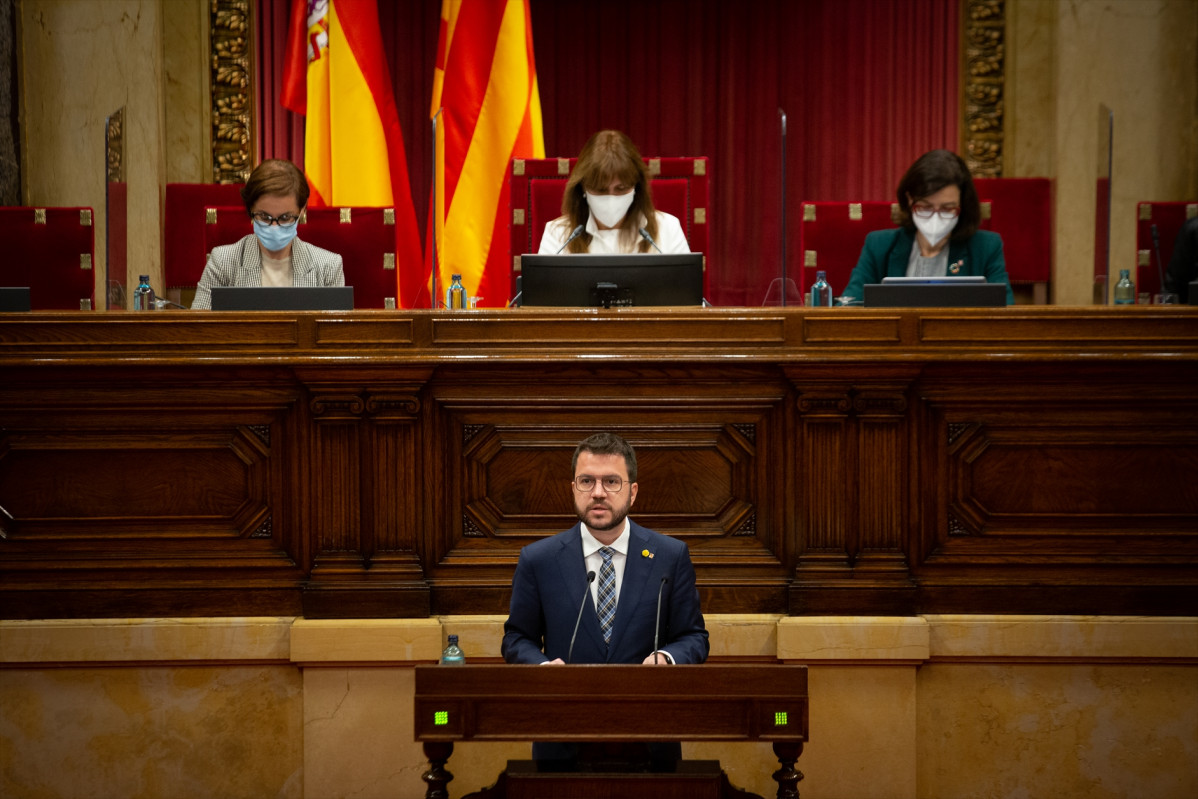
703	453
393	464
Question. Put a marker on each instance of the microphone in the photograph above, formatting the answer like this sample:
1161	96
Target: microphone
657	626
586	592
645	235
575	233
1156	243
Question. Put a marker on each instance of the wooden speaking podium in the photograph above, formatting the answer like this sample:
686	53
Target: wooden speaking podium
609	704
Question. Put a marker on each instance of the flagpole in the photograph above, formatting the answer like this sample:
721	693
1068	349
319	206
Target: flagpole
436	217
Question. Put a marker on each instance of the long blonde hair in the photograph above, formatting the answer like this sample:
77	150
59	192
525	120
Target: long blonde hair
609	155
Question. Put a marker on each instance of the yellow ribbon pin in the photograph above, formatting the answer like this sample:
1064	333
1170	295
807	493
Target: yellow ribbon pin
646	553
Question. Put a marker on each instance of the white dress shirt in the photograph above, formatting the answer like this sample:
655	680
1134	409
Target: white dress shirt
670	237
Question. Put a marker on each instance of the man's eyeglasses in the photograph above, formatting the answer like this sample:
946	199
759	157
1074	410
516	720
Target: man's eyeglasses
611	483
282	220
925	211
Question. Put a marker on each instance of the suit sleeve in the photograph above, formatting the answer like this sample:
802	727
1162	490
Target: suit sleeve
218	271
1183	265
686	636
870	267
994	268
524	630
334	274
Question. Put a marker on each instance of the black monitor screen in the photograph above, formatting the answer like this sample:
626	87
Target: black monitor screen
611	281
282	298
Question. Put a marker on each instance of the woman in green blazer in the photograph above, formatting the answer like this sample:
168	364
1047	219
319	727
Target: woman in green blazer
939	234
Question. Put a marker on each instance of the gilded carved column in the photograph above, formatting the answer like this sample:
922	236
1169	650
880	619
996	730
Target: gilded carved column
983	45
231	51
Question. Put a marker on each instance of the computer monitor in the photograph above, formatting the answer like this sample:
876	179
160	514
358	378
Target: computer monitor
964	291
15	298
611	281
282	298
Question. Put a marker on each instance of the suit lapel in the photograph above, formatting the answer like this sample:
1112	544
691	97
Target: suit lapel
301	263
900	253
636	572
249	267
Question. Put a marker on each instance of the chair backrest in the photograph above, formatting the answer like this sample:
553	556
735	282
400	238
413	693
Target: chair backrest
364	237
1020	210
50	250
680	187
831	234
185	230
1168	217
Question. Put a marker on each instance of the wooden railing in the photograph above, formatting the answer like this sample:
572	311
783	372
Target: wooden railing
393	463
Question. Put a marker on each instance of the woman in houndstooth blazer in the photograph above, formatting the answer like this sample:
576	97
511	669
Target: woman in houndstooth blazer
274	196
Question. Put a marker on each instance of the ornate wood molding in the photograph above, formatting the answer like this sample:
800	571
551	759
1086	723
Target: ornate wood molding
983	43
231	58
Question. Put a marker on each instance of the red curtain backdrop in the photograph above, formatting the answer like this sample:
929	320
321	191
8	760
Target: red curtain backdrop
867	86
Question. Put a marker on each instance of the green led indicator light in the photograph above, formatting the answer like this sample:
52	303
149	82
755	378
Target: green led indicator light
441	718
780	718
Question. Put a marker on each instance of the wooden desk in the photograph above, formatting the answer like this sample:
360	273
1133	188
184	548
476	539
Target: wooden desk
611	703
373	463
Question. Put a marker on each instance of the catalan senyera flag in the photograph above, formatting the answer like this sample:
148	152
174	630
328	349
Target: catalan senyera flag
336	75
488	111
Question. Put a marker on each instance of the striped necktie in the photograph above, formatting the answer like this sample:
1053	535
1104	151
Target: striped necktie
607	593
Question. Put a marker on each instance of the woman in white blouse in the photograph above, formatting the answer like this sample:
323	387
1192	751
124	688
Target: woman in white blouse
608	207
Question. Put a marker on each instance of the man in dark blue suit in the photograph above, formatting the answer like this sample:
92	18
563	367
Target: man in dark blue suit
551	581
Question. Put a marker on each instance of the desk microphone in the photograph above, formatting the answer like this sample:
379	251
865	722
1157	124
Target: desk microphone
1156	243
586	592
657	625
575	233
645	235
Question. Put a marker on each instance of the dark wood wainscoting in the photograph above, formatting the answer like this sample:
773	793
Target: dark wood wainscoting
393	463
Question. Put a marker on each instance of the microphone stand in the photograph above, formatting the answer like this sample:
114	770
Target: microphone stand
782	115
585	593
657	624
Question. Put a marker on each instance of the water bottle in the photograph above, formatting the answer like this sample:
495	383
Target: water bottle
455	295
1125	290
143	297
452	656
821	292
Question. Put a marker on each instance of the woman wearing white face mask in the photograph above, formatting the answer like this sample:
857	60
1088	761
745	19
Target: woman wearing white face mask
274	196
607	203
939	233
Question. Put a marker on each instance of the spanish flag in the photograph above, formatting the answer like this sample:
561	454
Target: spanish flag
336	75
488	111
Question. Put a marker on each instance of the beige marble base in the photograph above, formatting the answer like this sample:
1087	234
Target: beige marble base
901	708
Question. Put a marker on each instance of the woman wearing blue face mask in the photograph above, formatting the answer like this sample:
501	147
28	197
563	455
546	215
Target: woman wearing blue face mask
274	196
607	203
938	233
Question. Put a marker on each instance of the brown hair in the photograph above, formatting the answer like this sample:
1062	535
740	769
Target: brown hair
278	178
930	173
606	444
609	155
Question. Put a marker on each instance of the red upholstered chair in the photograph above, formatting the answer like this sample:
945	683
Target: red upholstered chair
680	187
50	250
1020	210
185	231
1168	218
831	236
363	237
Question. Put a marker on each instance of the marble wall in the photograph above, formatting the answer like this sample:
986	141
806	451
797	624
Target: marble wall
1140	59
901	708
81	60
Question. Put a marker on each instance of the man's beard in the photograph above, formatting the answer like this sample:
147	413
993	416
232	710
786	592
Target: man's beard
618	515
